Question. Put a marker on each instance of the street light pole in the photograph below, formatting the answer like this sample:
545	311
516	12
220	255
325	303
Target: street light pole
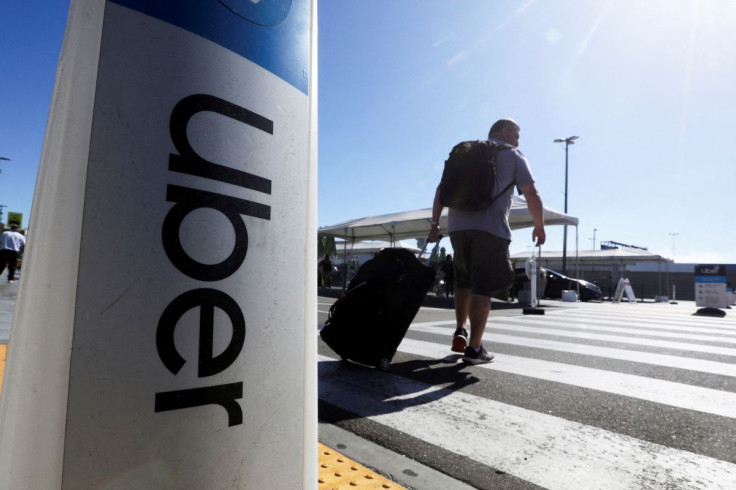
673	235
568	141
2	206
594	230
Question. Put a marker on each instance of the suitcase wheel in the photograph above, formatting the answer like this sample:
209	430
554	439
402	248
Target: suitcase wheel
384	365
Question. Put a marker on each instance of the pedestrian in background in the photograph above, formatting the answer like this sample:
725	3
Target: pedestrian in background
325	266
448	267
480	241
12	243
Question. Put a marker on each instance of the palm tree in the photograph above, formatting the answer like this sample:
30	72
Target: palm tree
326	245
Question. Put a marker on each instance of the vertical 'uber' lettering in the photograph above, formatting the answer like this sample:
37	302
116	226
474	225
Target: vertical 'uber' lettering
207	299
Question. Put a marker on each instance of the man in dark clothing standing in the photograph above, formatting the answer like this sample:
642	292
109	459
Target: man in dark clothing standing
325	267
12	244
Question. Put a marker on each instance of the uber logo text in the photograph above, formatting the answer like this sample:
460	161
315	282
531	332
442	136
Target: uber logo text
207	299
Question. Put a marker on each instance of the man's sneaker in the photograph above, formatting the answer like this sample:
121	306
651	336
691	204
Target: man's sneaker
460	340
480	357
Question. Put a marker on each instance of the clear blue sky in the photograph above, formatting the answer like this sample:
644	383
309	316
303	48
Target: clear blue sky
647	85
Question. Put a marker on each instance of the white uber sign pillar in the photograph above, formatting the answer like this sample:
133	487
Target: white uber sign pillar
165	332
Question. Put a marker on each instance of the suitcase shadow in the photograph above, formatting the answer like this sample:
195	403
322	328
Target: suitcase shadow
448	372
409	384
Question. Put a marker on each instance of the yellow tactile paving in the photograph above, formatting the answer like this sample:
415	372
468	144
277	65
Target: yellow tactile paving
337	472
3	358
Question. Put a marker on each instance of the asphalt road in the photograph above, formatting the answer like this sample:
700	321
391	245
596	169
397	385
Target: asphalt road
589	395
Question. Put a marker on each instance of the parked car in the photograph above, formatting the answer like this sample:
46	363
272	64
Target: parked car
556	283
519	282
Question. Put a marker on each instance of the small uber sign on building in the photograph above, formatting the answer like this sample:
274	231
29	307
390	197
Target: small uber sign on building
710	286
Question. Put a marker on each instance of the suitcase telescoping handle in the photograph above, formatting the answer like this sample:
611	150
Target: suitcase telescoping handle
434	250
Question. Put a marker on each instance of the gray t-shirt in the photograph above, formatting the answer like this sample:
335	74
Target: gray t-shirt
511	166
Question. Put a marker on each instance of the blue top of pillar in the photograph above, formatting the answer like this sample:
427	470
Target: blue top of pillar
272	33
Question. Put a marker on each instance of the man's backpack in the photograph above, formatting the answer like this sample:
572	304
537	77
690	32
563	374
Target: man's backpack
470	174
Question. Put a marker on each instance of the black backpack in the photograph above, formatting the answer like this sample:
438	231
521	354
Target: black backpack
469	175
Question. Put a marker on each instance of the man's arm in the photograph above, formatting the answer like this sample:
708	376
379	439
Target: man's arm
436	213
534	203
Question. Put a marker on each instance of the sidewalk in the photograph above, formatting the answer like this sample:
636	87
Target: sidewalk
336	470
8	292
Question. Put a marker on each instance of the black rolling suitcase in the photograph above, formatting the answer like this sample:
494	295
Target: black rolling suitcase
368	322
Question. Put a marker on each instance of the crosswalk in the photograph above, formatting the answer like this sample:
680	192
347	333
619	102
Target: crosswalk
584	397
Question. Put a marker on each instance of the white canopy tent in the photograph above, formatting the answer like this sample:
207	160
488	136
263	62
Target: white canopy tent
416	224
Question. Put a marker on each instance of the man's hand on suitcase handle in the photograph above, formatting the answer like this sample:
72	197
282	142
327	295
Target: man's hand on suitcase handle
434	232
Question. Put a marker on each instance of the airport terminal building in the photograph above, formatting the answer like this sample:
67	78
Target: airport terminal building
650	275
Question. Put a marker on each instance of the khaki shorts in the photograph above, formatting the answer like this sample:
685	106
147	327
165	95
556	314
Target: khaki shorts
482	263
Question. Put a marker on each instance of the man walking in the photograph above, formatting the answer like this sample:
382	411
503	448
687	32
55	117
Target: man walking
480	240
11	246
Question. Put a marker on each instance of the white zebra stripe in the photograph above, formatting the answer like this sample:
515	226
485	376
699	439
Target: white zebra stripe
700	365
597	323
501	324
667	344
543	449
678	395
688	320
